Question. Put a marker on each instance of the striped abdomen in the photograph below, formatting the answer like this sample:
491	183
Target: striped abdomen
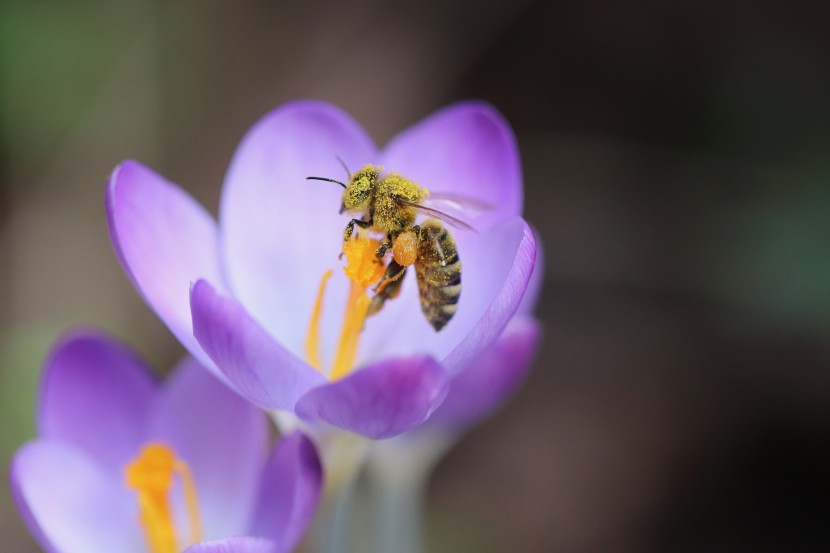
438	269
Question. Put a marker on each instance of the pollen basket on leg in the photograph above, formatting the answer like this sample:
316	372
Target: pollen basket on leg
152	476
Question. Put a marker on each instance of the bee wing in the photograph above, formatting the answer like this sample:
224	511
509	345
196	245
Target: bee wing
437	214
466	204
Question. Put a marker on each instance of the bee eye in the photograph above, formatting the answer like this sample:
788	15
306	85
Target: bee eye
356	196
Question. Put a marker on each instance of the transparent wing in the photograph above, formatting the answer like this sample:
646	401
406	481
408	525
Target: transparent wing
458	203
432	212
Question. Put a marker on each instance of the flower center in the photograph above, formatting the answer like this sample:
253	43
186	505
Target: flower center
151	476
363	269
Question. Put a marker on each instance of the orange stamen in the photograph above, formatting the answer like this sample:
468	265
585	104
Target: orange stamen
363	269
347	345
312	342
151	476
191	501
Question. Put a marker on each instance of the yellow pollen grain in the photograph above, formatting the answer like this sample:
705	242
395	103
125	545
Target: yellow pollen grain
362	265
151	475
312	342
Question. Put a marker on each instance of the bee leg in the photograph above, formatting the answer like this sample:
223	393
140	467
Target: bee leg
384	247
394	272
388	287
349	230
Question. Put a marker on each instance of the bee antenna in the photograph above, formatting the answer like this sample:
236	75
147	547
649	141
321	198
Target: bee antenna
344	166
327	180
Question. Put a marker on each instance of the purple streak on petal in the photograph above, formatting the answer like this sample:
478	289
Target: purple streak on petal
289	492
96	395
465	149
70	504
281	232
223	439
257	366
381	400
537	279
234	545
488	380
165	241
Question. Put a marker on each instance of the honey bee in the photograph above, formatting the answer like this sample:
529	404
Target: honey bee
389	204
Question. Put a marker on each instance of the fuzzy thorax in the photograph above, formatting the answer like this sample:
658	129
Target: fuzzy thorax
389	214
378	197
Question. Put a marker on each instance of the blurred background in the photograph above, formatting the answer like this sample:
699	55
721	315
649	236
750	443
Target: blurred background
677	166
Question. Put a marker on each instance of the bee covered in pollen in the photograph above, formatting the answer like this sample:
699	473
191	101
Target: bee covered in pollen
388	204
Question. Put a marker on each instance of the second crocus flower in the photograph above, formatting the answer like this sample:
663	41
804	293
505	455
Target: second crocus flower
123	463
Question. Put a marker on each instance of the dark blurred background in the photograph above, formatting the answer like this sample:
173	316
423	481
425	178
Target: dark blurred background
677	166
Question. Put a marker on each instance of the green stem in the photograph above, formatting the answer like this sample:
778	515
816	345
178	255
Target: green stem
331	530
343	455
398	471
399	511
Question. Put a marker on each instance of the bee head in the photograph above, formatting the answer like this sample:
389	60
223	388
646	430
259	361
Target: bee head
361	188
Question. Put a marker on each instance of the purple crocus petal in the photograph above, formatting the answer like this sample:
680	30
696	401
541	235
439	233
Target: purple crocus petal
258	367
234	545
381	400
165	241
465	149
289	492
70	504
281	232
95	395
223	439
488	380
509	257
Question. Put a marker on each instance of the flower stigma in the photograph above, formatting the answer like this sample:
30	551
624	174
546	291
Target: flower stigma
363	268
151	476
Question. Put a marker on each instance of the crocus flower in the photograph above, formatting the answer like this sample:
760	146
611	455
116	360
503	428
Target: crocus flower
126	464
245	298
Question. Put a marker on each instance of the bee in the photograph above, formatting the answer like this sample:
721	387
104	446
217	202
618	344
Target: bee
389	204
